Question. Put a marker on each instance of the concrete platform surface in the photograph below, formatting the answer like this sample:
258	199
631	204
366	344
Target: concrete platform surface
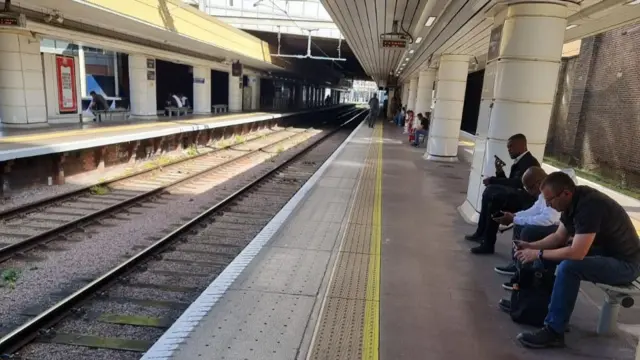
367	261
19	143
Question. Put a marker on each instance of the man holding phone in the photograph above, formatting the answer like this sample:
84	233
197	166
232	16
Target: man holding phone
593	220
503	194
532	224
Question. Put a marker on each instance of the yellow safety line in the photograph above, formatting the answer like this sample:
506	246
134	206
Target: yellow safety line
371	338
52	135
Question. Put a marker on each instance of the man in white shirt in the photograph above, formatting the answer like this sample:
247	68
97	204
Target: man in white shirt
532	224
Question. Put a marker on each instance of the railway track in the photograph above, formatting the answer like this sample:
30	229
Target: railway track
122	312
36	224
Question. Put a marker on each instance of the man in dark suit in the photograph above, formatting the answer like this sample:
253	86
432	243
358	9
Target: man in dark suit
503	194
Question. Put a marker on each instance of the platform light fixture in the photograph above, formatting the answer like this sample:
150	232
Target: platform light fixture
430	21
407	59
571	26
418	40
411	51
634	2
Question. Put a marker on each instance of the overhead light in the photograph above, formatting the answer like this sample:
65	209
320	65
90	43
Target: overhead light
411	51
634	2
418	40
571	26
430	21
407	59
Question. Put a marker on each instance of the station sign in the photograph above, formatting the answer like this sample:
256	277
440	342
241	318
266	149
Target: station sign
394	43
12	20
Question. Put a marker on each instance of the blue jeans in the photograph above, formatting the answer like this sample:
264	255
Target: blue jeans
416	140
398	119
600	269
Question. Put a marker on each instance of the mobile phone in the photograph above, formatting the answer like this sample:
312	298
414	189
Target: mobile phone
499	161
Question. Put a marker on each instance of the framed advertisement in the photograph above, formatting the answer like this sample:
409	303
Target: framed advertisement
494	43
67	93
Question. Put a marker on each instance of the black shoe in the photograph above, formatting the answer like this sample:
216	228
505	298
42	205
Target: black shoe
541	338
509	270
473	237
482	250
505	305
508	285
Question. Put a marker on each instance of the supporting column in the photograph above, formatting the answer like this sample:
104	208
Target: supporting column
445	126
235	93
22	97
390	114
254	82
201	90
142	85
405	94
424	97
526	73
413	93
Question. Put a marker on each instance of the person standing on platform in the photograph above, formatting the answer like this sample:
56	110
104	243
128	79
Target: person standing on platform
98	103
374	110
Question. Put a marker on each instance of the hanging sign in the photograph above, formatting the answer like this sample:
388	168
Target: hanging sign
198	80
66	73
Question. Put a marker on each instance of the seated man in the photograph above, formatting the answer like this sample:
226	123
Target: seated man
532	224
593	219
172	101
421	129
98	102
399	119
503	194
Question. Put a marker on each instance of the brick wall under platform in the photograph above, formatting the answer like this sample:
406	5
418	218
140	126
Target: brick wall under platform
596	119
26	172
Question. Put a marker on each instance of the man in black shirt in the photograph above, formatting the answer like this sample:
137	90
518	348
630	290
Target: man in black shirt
596	222
98	102
503	194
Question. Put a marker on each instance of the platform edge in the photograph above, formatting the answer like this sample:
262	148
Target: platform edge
184	326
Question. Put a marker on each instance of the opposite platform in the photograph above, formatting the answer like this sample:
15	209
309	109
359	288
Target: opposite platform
367	261
38	142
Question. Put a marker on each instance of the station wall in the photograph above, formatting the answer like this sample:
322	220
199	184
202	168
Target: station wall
595	123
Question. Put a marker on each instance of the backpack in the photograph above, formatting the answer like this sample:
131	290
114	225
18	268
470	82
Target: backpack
531	296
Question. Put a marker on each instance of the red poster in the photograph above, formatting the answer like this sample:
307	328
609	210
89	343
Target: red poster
67	96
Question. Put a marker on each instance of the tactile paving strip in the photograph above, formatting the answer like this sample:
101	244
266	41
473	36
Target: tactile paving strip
347	327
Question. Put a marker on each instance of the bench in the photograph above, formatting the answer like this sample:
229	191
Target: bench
219	108
613	298
100	113
177	110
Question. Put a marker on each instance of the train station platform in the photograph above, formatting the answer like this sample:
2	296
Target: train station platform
21	143
368	261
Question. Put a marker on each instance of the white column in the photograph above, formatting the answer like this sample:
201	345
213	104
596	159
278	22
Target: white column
447	116
405	94
235	93
83	71
424	94
392	93
201	90
413	93
254	82
526	74
22	96
142	85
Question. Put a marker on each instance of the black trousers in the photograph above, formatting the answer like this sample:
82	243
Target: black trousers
497	198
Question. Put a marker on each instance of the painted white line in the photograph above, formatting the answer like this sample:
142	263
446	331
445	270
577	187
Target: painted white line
182	328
